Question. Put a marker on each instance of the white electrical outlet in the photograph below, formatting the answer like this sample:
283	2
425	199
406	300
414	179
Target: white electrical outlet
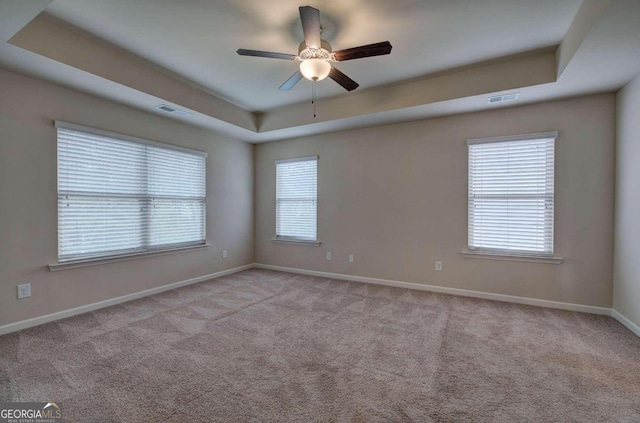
438	266
328	255
350	258
24	290
225	254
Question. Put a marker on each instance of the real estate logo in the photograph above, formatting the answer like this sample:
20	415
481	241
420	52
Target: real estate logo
30	412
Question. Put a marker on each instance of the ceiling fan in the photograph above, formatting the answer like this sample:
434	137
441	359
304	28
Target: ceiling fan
315	54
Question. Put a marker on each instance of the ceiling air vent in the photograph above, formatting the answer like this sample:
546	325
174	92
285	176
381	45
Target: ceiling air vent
502	98
173	110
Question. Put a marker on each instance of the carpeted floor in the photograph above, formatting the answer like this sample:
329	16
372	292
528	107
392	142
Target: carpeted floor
270	346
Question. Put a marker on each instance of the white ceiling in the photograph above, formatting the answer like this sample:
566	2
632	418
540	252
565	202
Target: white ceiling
198	39
192	44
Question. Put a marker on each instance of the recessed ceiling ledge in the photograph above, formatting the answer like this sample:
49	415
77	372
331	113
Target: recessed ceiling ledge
589	13
57	40
507	74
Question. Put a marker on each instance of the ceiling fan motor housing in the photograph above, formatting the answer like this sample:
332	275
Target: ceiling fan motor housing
324	52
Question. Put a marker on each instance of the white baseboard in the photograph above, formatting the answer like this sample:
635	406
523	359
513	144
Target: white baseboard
444	290
626	322
24	324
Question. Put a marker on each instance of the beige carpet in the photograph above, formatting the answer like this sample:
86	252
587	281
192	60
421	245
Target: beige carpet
269	346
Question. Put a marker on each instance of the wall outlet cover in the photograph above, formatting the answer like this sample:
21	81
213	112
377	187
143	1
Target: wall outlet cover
24	290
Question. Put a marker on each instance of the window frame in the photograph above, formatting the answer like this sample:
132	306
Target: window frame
81	260
294	239
512	254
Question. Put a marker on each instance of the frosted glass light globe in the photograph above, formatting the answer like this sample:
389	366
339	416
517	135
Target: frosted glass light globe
315	69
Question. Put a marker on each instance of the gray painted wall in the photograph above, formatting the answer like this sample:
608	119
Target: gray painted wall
28	210
396	197
627	220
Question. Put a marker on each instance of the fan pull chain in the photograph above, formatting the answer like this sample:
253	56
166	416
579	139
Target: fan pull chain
313	97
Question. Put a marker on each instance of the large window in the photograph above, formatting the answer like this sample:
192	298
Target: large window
120	195
511	195
297	199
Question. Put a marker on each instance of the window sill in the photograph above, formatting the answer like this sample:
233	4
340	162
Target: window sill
296	241
498	256
123	257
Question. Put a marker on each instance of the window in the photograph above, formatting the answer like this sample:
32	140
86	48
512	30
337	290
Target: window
511	195
120	195
297	199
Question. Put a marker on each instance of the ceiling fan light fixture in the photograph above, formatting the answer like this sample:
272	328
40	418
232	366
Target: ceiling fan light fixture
315	69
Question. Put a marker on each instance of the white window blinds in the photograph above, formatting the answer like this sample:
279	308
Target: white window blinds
511	195
120	195
296	198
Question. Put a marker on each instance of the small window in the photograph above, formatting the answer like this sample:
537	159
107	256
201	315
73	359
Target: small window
297	199
511	195
120	195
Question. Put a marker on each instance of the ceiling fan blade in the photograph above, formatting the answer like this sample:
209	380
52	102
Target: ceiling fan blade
377	49
342	79
310	18
268	54
291	82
